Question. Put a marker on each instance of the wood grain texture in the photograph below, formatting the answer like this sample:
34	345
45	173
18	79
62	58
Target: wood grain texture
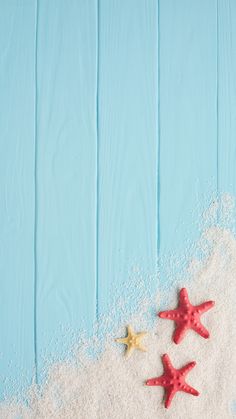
17	52
127	231
135	125
227	96
188	117
66	155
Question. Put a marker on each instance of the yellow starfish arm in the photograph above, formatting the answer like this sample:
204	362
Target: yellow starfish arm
122	340
129	351
130	331
141	335
142	348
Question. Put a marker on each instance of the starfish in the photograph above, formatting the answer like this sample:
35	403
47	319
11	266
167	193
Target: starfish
173	380
187	316
132	341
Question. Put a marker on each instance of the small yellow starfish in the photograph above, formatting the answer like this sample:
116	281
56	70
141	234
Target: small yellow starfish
132	341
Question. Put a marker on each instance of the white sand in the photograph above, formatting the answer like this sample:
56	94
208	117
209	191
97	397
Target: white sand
112	387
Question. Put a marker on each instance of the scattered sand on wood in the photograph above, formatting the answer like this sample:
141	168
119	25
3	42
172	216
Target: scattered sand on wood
112	387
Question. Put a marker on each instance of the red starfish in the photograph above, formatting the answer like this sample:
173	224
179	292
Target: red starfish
187	316
173	380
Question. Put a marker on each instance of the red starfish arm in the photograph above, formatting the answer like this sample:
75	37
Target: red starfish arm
169	315
179	333
185	370
183	298
168	367
170	392
202	308
188	389
156	381
201	330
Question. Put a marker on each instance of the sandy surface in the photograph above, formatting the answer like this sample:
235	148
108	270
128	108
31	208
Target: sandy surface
113	387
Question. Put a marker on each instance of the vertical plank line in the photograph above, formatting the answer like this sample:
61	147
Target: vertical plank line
217	102
158	129
97	169
36	191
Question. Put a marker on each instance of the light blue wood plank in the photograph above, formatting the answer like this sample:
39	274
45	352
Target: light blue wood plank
188	118
127	192
17	87
227	96
66	234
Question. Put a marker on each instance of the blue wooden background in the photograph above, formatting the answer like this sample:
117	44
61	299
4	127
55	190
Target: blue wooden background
117	117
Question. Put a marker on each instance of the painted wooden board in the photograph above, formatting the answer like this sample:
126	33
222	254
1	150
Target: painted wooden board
227	96
117	119
17	141
66	171
188	117
127	205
